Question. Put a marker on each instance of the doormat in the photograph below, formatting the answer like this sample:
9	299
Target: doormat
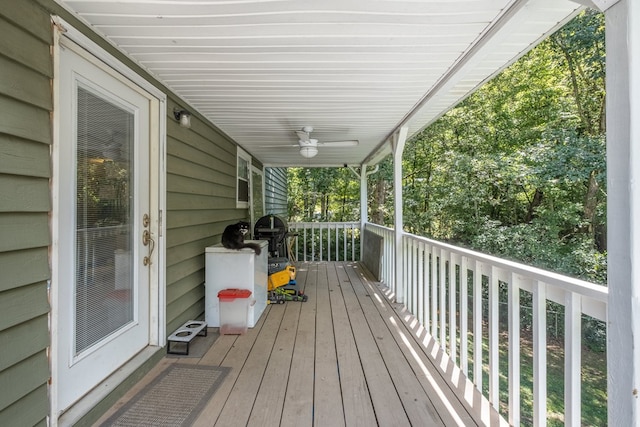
175	398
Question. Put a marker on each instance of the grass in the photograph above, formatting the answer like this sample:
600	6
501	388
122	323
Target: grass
594	382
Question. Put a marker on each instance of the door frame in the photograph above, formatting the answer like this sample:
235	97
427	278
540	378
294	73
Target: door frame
71	38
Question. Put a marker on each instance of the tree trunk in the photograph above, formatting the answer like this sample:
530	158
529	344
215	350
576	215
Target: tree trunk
591	204
533	204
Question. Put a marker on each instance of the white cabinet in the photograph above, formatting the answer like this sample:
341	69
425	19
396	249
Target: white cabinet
229	268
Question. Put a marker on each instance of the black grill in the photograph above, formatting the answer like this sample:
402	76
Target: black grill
274	229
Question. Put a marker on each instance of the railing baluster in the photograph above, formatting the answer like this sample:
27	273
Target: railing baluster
572	359
494	361
305	243
443	300
427	289
353	245
414	275
313	245
434	292
329	226
389	254
477	326
297	238
320	241
464	319
514	351
411	278
420	283
344	239
539	354
453	342
408	276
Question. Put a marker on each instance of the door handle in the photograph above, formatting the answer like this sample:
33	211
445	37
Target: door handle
147	240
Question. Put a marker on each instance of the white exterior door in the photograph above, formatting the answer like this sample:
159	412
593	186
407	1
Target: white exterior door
104	238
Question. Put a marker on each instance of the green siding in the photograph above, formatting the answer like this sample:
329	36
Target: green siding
18	156
25	203
20	268
25	120
30	17
24	194
14	348
25	377
23	231
28	411
201	180
21	305
23	47
37	92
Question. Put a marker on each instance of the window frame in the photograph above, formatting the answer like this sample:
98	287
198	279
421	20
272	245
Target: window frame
242	155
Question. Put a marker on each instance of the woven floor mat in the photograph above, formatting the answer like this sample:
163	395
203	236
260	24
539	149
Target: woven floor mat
175	398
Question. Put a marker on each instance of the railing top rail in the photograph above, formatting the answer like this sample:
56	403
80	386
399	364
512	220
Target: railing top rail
320	223
591	290
371	224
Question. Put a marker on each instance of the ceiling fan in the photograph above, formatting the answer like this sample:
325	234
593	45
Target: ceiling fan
309	146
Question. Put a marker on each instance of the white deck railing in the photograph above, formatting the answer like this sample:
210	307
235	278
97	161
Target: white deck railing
432	276
325	241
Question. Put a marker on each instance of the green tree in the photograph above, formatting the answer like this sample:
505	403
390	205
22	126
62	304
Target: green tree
517	169
323	194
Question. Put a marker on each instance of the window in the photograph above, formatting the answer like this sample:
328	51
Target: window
243	175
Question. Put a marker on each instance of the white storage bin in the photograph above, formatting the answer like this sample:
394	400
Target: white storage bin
243	269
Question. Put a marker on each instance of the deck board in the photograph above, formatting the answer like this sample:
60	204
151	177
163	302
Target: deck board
267	408
346	357
235	359
328	407
388	407
298	402
415	400
237	409
356	400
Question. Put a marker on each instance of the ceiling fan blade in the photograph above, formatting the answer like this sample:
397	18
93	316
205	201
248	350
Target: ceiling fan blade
302	135
347	143
279	145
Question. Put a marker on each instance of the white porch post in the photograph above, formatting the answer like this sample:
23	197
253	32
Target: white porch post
623	212
364	212
397	142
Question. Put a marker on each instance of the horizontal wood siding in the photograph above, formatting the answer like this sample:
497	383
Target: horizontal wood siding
201	191
25	138
276	192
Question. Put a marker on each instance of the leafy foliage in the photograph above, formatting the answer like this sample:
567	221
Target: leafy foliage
518	168
320	194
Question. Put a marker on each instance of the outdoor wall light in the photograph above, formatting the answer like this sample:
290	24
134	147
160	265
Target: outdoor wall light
184	117
308	151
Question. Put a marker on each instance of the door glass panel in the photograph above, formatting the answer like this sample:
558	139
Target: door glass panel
103	268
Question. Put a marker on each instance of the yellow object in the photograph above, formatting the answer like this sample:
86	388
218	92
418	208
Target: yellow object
282	277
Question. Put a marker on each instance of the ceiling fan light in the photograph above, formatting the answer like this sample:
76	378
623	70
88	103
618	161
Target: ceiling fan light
308	152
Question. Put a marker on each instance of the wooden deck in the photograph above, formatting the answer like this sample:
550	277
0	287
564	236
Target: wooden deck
346	357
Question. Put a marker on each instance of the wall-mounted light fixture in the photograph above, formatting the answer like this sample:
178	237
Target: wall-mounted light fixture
184	117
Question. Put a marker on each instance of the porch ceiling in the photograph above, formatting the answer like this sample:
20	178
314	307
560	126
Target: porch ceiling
352	69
